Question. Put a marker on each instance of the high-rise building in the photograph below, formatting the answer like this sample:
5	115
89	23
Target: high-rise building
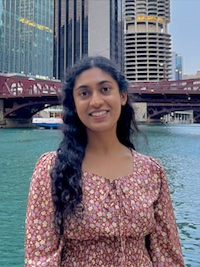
87	27
26	37
147	42
177	66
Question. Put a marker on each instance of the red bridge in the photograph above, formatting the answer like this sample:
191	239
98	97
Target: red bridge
21	98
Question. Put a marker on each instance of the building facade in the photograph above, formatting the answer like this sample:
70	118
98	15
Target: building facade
192	75
87	27
147	42
26	37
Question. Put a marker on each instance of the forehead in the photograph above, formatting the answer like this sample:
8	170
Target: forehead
93	75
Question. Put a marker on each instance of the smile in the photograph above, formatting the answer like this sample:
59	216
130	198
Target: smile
98	113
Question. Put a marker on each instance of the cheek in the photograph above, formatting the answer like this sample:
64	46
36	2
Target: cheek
80	110
119	106
76	105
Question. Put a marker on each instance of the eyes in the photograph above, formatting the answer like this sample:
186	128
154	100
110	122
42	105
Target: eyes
106	89
84	93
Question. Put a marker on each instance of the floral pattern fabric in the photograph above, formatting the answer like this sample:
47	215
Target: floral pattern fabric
117	217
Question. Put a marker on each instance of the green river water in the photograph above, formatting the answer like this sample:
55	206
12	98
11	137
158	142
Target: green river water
177	147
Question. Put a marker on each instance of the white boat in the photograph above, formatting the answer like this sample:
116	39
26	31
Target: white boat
48	118
47	123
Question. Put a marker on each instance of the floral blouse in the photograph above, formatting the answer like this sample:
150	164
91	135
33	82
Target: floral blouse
117	218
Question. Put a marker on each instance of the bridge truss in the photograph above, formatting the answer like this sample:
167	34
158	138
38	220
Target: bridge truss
21	97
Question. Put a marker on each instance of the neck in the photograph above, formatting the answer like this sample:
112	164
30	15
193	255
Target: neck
103	143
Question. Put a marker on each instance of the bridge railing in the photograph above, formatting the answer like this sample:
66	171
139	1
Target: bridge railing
11	87
191	86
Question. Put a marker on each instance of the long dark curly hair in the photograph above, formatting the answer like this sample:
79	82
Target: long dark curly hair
66	173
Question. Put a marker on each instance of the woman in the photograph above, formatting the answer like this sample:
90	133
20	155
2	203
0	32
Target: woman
96	201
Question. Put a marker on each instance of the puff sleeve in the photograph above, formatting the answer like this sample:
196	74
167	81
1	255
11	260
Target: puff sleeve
42	245
165	249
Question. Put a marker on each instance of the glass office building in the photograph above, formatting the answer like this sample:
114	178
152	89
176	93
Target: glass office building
26	37
87	27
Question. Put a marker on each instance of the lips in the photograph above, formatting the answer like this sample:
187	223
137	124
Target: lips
98	113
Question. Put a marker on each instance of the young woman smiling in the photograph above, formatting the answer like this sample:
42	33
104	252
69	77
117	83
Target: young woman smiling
96	201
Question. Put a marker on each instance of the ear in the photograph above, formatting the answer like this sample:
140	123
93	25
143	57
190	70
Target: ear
123	98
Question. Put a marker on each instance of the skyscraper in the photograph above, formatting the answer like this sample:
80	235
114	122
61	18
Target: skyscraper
179	66
87	27
26	37
147	42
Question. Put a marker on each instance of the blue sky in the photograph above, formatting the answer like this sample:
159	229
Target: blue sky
185	31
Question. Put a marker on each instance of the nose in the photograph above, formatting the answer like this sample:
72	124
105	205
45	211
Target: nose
96	100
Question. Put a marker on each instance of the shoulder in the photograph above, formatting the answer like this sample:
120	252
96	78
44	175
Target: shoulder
146	161
149	168
46	160
44	164
41	174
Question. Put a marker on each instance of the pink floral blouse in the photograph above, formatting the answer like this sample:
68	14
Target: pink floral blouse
117	217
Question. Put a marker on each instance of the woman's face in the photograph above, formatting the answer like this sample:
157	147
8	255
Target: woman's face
98	100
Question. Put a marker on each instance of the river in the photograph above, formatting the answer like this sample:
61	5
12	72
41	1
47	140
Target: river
177	147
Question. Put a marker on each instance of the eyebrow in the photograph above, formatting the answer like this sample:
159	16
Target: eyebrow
83	86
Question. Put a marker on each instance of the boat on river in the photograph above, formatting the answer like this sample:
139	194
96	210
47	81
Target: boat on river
47	123
49	118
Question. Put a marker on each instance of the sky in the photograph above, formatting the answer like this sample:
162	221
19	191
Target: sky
185	33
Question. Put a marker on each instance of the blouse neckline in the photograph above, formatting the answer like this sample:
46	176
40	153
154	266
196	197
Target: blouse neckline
107	180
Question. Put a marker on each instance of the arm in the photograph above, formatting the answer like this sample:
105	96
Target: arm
165	249
42	245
